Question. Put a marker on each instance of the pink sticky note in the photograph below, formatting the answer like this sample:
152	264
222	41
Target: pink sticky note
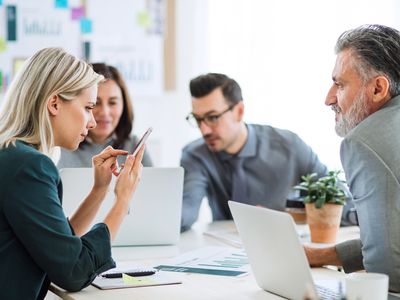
77	12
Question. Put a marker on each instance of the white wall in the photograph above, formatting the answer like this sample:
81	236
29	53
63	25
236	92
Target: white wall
167	113
281	53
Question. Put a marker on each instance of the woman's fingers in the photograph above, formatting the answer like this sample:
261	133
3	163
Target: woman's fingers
139	157
128	164
114	168
108	158
109	152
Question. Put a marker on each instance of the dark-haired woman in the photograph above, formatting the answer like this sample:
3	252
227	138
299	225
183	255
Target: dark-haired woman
114	116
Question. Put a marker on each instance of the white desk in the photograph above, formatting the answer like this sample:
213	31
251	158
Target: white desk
194	286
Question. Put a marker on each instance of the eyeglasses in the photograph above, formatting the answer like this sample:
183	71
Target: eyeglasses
210	120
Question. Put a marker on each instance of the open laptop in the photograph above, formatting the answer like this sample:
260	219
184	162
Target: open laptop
154	217
276	256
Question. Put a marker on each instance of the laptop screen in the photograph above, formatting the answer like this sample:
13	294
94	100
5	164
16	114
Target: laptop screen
154	216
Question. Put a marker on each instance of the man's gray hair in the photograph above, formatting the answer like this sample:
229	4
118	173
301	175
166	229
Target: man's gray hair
377	52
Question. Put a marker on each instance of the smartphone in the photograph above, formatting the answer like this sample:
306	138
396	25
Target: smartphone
142	140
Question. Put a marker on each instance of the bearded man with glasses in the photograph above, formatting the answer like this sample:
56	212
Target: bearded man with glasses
253	164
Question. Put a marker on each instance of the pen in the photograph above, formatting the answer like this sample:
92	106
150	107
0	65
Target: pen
134	274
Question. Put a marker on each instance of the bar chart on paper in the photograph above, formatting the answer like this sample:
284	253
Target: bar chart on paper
210	260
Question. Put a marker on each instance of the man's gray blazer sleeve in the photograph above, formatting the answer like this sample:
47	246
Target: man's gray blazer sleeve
376	193
350	255
194	189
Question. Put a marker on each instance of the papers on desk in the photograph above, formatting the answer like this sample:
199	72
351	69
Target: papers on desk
159	278
126	281
210	260
231	236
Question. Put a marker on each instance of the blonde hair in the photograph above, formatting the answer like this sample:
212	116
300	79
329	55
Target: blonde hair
49	72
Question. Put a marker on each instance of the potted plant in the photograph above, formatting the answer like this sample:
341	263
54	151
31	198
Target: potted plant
324	200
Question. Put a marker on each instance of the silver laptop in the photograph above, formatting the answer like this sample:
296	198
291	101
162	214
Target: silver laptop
154	216
276	256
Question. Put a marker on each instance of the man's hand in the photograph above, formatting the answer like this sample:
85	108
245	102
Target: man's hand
318	257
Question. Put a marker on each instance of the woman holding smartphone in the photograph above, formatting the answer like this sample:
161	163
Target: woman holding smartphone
114	117
50	104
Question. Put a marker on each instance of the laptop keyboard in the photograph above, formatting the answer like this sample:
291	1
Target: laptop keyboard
325	293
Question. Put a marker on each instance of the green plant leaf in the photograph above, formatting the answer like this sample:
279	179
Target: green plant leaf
322	190
319	203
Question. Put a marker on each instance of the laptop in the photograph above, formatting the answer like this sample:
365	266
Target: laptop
154	217
276	256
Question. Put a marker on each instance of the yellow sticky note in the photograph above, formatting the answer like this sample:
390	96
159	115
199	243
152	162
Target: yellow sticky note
3	44
17	64
143	19
137	280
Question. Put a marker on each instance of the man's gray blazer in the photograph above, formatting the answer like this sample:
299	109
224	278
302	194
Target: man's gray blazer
370	155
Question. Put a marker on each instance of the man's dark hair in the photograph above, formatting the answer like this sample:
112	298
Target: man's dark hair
377	51
204	84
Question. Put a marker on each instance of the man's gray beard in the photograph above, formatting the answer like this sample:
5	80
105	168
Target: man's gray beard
357	112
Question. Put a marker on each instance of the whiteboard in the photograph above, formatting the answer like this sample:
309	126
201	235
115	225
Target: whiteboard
123	36
128	34
36	27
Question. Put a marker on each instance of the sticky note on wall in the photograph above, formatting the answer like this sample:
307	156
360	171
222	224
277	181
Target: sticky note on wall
17	64
143	19
86	25
77	13
63	4
3	44
86	50
11	15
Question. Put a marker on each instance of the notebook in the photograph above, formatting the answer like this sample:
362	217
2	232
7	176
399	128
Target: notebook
159	278
154	217
276	256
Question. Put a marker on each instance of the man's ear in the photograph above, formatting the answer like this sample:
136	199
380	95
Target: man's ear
240	109
380	89
53	105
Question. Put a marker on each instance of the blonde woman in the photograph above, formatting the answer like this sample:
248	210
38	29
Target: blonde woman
50	104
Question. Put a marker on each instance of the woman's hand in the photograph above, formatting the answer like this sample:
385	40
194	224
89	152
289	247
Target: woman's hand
105	164
129	176
125	186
